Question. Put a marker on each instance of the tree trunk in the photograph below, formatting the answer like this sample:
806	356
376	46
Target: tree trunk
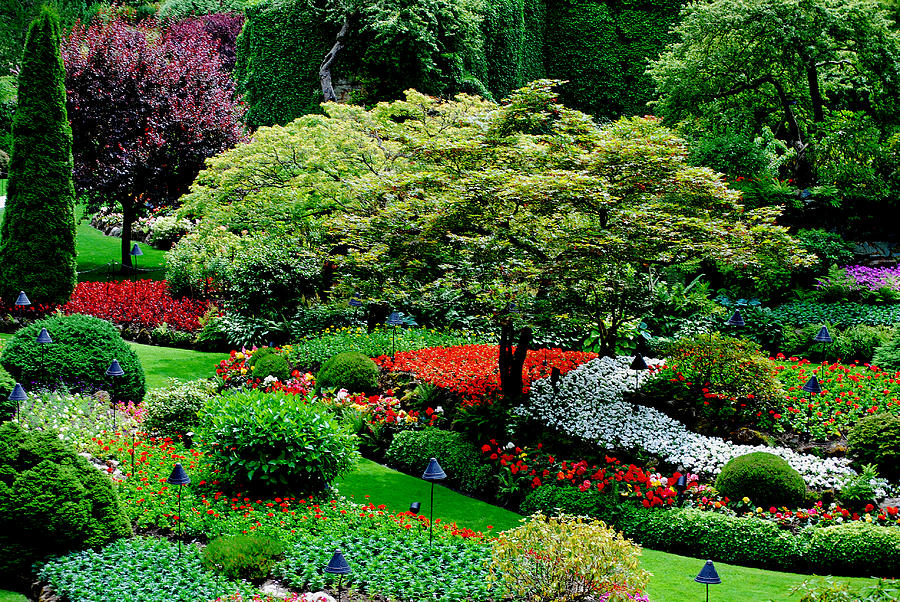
325	67
127	223
815	92
511	363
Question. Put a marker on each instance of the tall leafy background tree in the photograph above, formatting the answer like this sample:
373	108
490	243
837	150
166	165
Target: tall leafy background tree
148	106
37	238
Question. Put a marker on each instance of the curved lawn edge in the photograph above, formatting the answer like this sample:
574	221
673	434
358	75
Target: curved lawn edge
673	575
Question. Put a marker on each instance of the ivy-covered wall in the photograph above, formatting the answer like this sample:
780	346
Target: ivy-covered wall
602	48
278	56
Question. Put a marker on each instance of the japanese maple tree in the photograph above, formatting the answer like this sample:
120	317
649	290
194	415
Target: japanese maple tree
147	108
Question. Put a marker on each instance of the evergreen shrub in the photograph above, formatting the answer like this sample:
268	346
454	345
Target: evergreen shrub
411	450
51	501
350	370
7	383
767	479
271	364
875	439
82	349
173	411
855	548
887	356
275	442
249	557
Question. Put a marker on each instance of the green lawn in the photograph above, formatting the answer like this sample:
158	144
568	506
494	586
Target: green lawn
6	596
96	251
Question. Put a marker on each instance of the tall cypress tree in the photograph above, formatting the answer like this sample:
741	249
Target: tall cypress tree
37	238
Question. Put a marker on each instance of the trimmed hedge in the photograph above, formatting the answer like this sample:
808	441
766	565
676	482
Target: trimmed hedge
350	370
875	439
849	549
767	479
410	452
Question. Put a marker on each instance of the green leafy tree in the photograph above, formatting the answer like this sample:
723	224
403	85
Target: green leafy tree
781	64
499	203
37	250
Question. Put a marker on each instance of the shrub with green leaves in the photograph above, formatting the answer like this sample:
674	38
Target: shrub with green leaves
51	501
266	362
172	411
767	479
802	313
248	557
875	439
887	356
853	343
275	441
856	548
565	557
410	452
83	348
181	9
7	383
145	568
350	370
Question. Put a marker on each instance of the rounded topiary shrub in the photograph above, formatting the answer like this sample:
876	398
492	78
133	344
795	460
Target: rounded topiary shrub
82	349
767	479
275	442
51	501
172	411
875	440
410	452
350	370
267	362
248	557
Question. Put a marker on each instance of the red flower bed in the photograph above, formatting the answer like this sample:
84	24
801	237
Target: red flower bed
471	370
144	303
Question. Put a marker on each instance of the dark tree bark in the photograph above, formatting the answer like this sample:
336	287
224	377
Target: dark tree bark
512	361
325	67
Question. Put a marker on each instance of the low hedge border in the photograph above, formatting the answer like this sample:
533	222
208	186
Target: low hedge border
850	549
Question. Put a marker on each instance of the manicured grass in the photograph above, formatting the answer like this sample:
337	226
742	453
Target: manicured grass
7	596
96	251
162	363
673	576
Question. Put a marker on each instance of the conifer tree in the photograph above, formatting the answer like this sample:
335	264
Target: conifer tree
37	238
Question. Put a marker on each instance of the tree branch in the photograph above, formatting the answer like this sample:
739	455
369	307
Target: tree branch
325	67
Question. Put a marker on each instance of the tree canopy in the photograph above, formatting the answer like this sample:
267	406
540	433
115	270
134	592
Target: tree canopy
496	204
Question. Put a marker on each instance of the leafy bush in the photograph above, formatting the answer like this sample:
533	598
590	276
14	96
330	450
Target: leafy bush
51	501
265	363
827	589
350	370
248	557
275	441
157	571
410	452
829	247
802	313
553	558
767	479
856	548
172	411
568	500
857	343
180	9
723	377
83	348
166	230
7	384
887	357
875	439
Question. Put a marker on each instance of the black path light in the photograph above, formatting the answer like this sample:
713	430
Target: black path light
681	485
638	364
414	508
135	253
394	320
433	472
708	575
115	371
43	339
736	319
812	387
179	477
18	395
339	566
823	337
21	303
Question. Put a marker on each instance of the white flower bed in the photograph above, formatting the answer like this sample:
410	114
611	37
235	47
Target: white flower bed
589	405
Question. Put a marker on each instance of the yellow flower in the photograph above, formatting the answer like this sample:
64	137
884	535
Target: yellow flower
243	371
746	500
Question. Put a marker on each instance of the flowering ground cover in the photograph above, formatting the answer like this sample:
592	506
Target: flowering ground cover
849	392
471	370
873	278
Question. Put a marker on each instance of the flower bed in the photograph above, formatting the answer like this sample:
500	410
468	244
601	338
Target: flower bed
141	303
471	370
235	372
864	277
588	405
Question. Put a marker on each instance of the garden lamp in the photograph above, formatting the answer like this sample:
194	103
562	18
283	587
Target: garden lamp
414	508
393	321
638	364
339	566
43	339
355	303
135	252
179	477
708	575
554	379
433	472
736	319
18	395
680	485
22	301
115	371
812	385
823	337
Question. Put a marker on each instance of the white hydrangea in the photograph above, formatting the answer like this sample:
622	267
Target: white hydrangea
588	403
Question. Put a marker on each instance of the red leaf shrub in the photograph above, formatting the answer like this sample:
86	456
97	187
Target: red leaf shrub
472	371
144	303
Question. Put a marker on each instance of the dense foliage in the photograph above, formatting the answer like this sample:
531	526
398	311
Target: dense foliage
37	238
764	478
411	450
875	439
82	349
147	107
51	501
249	557
349	370
172	411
